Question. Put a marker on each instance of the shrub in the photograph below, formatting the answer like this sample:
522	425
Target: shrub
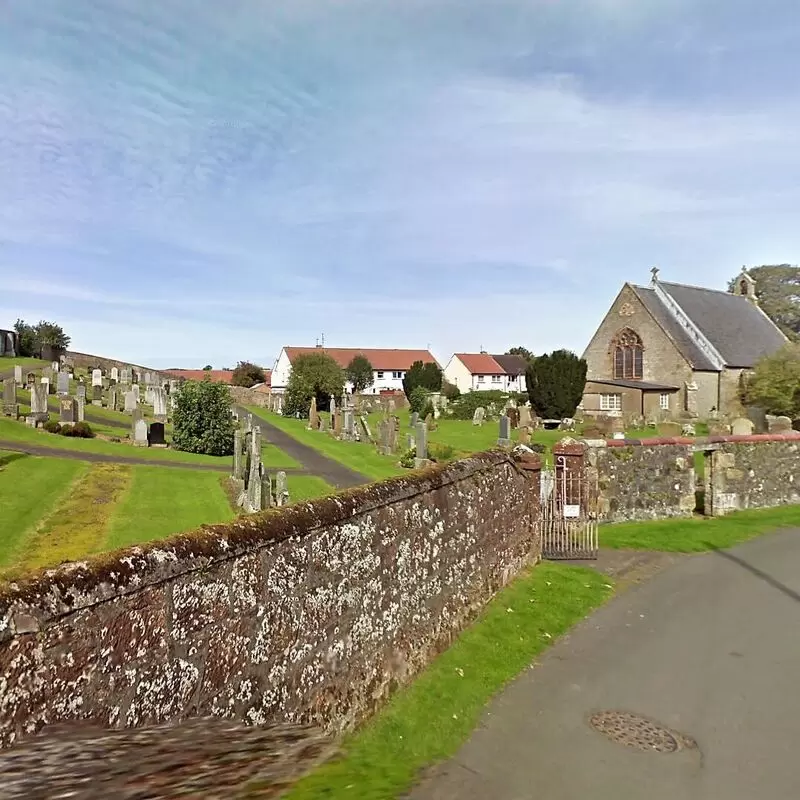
359	373
450	391
246	374
408	458
555	384
51	426
420	398
427	375
80	430
441	452
202	420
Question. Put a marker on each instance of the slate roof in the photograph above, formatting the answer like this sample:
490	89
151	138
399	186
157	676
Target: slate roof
384	360
511	364
739	331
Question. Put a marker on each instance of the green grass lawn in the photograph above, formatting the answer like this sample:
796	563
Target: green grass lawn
428	720
19	432
30	488
32	364
274	458
359	456
307	487
161	502
698	534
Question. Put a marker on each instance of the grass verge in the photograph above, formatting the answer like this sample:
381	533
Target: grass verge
698	534
307	487
30	488
75	527
428	720
161	502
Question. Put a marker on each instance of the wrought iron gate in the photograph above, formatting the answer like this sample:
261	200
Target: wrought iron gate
568	513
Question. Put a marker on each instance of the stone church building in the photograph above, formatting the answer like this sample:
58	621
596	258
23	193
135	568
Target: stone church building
667	349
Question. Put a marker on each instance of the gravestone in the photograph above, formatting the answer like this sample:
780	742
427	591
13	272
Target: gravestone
130	402
10	397
30	380
394	429
349	424
365	428
136	415
742	427
18	374
80	409
38	404
140	438
115	374
333	407
718	428
55	366
409	441
383	437
421	444
148	395
323	424
157	435
148	379
112	398
68	412
513	417
63	383
281	490
779	424
97	377
81	391
392	405
136	392
47	372
524	435
414	419
266	489
504	439
238	459
46	383
524	417
430	422
255	472
313	415
479	416
97	395
160	405
337	423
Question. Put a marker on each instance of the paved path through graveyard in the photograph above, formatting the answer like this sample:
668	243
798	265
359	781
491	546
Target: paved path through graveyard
314	462
707	647
104	458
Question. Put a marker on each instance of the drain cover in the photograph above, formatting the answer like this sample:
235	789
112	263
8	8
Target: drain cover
634	730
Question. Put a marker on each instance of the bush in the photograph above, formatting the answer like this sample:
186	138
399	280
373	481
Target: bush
441	452
450	391
51	426
428	376
408	458
555	384
202	420
80	430
420	398
464	407
247	374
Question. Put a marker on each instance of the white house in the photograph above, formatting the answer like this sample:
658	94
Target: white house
472	372
389	366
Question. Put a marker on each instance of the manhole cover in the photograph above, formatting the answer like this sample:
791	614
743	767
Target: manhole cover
634	730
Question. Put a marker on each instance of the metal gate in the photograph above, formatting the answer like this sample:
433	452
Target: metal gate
568	513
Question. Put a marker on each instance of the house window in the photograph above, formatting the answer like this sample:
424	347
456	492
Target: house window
397	375
611	402
481	378
663	401
379	375
495	379
628	350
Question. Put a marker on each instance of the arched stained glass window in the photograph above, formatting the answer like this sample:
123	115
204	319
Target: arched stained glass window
628	351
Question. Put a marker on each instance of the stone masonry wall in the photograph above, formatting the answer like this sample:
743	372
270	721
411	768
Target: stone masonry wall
643	479
312	613
249	397
752	472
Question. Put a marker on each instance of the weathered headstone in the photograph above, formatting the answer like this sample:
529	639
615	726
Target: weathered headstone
513	417
479	416
383	437
238	455
10	397
136	392
333	407
18	374
504	439
38	404
114	374
80	391
255	472
160	405
524	434
337	423
409	441
140	438
46	383
281	489
63	383
130	402
68	412
313	415
55	366
414	419
365	428
430	422
47	372
148	378
97	377
125	376
323	424
97	395
349	424
742	427
524	417
80	408
157	435
30	379
112	397
421	444
780	425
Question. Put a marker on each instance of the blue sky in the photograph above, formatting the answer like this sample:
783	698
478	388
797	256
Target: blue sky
187	183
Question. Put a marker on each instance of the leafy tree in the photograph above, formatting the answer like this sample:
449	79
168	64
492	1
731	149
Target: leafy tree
27	338
775	383
207	368
555	384
45	334
520	351
247	374
427	375
778	293
450	390
420	397
313	375
202	419
359	373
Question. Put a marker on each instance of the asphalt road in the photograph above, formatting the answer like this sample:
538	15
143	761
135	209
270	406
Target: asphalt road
709	647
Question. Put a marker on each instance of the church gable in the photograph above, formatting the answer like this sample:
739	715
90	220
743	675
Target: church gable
629	344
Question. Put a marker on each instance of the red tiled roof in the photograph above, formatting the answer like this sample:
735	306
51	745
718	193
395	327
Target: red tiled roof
216	375
397	360
480	364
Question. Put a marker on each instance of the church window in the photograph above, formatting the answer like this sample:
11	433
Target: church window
628	352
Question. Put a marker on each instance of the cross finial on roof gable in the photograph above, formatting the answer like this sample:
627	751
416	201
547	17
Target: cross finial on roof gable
654	273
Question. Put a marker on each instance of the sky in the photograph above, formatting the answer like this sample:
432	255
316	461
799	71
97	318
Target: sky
189	183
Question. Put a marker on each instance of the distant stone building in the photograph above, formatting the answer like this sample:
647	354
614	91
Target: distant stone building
9	343
669	349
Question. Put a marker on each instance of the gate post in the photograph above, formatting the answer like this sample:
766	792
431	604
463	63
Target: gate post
530	464
569	462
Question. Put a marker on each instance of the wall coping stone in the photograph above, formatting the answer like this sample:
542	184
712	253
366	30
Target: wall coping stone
698	440
49	594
